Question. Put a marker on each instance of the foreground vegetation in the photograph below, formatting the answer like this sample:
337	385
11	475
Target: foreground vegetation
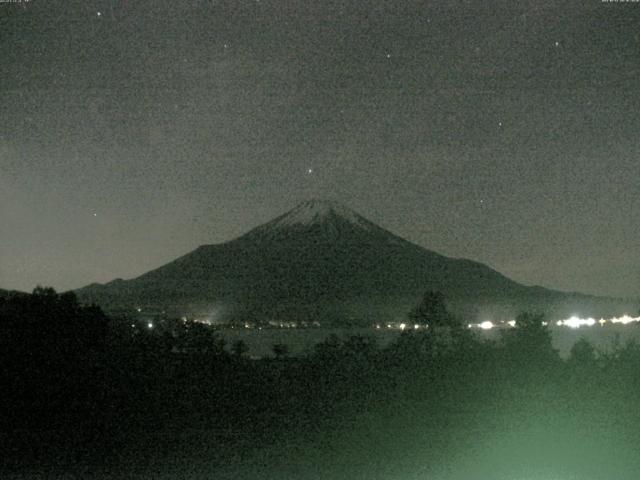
96	398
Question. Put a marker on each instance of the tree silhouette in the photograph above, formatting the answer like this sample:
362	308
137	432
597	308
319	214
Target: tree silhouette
530	339
239	348
47	323
432	311
329	348
54	350
280	350
582	354
201	339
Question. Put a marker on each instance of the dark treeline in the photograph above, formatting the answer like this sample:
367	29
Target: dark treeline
96	397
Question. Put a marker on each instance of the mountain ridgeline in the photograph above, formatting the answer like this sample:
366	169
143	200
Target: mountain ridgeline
322	261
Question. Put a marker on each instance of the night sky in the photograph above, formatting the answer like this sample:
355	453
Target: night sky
506	132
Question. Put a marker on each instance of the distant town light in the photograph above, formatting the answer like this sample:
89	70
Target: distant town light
625	319
571	322
575	322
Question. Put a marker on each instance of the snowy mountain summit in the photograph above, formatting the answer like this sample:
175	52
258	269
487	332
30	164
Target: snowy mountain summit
329	216
317	211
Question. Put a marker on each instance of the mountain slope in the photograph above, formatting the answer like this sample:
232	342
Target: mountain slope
319	260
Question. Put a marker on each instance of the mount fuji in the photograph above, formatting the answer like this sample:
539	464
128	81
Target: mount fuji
323	261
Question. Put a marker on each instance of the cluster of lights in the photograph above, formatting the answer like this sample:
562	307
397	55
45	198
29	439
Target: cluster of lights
625	319
572	322
149	325
575	322
399	326
404	326
488	324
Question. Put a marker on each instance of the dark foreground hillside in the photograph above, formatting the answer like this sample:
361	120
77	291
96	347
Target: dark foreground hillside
90	397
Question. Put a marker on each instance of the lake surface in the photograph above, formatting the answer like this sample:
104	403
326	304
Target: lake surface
302	340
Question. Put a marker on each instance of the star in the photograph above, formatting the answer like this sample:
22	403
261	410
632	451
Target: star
95	214
310	171
557	44
99	14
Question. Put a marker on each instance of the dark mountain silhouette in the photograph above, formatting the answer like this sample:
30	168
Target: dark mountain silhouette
321	260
